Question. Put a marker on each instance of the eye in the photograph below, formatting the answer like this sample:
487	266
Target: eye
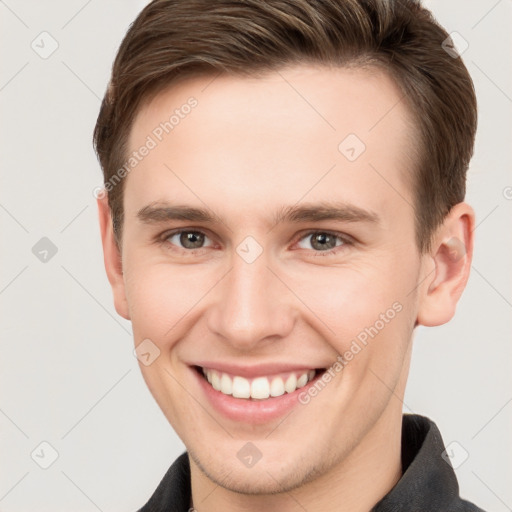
187	239
322	241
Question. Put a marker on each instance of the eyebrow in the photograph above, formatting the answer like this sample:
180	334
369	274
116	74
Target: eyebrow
315	212
307	212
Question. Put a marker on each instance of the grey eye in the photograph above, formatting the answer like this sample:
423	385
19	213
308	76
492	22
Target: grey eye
321	241
189	239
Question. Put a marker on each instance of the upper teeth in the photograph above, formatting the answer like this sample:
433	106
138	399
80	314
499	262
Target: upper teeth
260	387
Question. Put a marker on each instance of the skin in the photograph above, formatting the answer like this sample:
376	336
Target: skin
294	303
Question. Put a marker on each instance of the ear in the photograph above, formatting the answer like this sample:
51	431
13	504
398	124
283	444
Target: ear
112	257
451	253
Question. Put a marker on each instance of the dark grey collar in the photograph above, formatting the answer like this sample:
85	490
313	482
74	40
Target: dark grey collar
428	483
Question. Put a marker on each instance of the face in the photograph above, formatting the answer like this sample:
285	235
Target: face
267	235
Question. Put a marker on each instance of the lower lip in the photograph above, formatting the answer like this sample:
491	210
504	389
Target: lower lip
251	410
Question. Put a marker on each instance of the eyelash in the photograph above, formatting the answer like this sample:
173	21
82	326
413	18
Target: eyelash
345	239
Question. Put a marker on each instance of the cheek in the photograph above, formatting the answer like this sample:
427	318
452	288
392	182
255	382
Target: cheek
345	299
357	309
163	298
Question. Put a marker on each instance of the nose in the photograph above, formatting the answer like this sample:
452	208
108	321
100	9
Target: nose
251	306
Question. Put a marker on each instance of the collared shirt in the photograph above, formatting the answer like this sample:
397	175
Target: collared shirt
428	482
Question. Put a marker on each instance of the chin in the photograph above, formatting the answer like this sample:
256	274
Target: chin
261	479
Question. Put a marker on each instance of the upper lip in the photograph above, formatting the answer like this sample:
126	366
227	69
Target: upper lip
257	370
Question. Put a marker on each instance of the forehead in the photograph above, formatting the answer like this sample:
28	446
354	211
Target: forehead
334	133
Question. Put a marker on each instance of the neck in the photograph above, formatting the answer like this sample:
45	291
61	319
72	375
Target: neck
354	484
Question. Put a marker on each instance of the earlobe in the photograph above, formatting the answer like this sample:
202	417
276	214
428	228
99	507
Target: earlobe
112	258
452	252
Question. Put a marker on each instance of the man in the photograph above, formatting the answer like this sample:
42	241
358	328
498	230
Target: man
284	204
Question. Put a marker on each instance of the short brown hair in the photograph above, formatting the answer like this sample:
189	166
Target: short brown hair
175	39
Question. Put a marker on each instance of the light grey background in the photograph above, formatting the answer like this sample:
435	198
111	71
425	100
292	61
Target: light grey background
67	373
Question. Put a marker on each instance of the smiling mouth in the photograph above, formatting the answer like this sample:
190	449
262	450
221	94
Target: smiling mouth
258	388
